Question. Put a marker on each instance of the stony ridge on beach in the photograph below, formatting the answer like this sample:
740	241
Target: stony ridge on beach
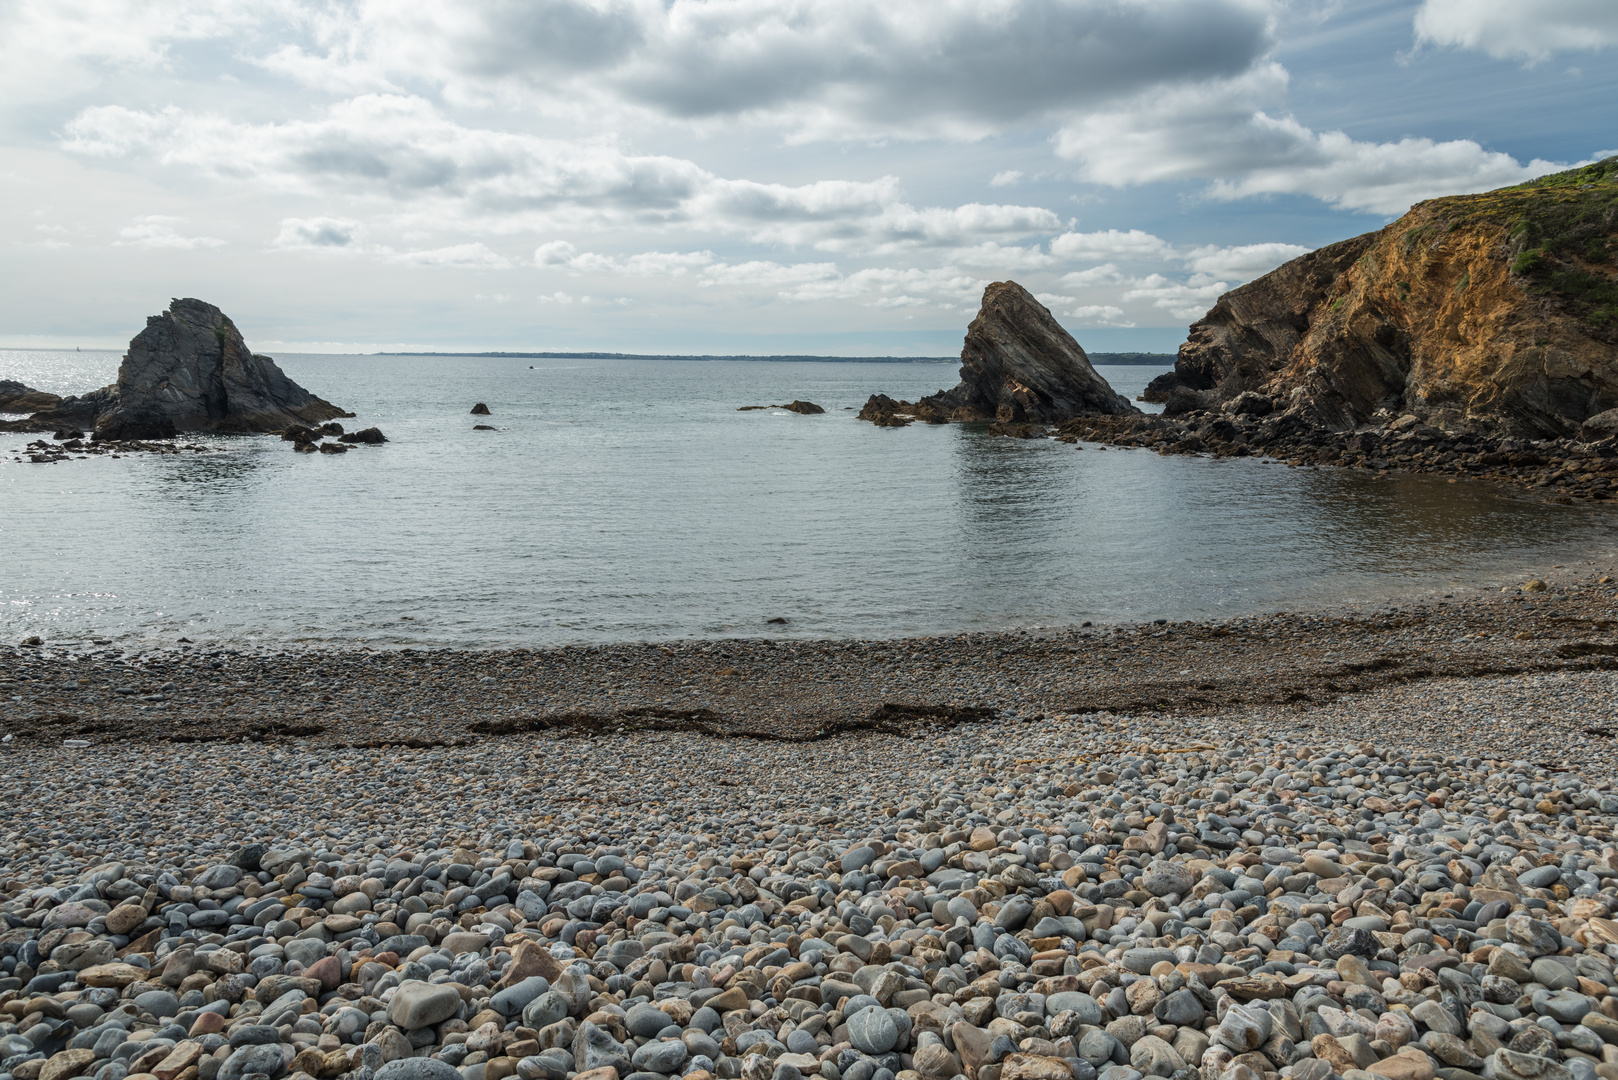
792	689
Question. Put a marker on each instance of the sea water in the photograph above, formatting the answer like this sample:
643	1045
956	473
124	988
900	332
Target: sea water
629	499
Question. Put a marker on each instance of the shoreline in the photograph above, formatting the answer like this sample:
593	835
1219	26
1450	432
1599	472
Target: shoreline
798	689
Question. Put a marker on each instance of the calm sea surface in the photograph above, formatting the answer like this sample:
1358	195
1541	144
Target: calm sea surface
625	499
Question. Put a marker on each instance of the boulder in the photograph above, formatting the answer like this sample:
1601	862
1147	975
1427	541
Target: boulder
190	370
370	436
1603	425
480	409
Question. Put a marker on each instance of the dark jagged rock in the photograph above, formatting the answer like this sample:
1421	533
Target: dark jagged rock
17	398
1491	315
190	370
802	408
480	409
76	411
884	411
1018	365
369	435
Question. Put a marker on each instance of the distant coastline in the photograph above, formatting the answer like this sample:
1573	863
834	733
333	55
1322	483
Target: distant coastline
670	356
1141	359
1128	358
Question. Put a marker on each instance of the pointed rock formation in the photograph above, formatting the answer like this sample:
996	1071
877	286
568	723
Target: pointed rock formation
190	370
1018	364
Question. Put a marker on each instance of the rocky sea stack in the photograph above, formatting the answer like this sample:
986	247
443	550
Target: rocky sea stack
189	370
1017	365
1492	314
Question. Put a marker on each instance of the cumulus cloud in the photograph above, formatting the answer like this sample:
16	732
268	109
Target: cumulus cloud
1087	314
1181	299
52	47
1511	30
946	287
159	231
817	68
1002	257
404	149
1111	244
319	233
472	256
1008	178
1242	262
1227	132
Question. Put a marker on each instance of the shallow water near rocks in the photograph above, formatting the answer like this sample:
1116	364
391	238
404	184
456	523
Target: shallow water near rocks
629	499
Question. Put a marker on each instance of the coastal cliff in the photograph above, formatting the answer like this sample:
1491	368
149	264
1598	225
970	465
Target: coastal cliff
1018	365
1492	314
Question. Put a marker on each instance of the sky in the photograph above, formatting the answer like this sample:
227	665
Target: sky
742	176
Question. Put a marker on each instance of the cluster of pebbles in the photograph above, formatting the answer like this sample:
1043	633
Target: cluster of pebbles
1562	469
1062	898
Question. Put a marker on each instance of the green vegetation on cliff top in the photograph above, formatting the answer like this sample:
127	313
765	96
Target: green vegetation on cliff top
1561	240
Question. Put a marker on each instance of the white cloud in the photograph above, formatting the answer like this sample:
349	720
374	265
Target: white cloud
1111	244
319	233
52	47
1095	276
814	68
158	231
560	297
562	254
404	150
1001	257
1182	299
1088	314
1512	29
762	274
472	256
1243	262
1224	132
945	286
1008	178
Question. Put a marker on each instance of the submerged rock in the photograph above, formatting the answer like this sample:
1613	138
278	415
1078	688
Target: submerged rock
190	370
1018	364
802	408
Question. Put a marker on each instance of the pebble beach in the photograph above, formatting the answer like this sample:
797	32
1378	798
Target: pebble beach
1374	846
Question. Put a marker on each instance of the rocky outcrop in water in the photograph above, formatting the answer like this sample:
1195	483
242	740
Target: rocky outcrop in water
190	370
17	398
1018	365
1490	315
